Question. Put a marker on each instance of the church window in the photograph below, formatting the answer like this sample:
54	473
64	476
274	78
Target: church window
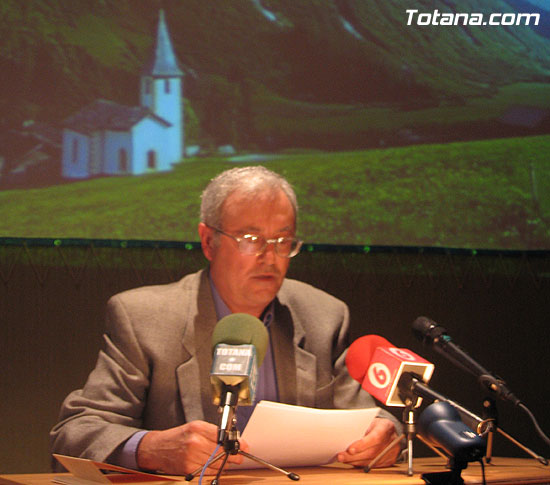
167	86
74	154
122	161
147	86
151	159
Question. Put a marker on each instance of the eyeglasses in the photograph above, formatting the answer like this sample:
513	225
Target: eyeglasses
254	245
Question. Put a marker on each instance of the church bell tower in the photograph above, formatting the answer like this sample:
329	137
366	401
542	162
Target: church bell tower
161	88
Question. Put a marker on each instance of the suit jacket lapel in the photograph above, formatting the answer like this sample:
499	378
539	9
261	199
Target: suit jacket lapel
294	366
193	374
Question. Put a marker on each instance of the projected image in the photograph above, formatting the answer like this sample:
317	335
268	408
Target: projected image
398	123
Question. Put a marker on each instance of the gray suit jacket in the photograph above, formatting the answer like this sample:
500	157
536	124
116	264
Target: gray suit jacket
154	369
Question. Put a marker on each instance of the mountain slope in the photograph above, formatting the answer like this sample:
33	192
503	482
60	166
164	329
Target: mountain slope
57	55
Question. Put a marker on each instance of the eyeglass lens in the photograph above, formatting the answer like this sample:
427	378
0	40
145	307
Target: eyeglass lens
286	247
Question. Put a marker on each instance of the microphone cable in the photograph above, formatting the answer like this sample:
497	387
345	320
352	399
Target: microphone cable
538	429
210	458
484	481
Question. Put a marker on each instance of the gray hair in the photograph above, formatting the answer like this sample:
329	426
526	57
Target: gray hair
249	181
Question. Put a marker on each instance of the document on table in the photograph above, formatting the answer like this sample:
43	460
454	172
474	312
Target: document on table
287	435
89	472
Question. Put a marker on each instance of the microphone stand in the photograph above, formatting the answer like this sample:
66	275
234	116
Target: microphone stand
451	477
409	421
411	392
228	437
490	414
482	426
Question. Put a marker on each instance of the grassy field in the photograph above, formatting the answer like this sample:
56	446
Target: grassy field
298	119
483	194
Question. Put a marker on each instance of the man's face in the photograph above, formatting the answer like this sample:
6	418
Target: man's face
248	283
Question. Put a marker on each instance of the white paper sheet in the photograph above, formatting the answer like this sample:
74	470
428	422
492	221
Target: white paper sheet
287	436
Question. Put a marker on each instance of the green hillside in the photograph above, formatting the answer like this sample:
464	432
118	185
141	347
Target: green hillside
485	194
57	56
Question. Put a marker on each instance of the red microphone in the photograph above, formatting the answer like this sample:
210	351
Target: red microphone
378	366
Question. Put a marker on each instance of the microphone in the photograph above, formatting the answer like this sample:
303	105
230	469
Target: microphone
239	344
440	425
427	331
409	385
378	366
397	377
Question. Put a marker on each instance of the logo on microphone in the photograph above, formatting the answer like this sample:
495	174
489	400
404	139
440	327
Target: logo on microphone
379	375
402	354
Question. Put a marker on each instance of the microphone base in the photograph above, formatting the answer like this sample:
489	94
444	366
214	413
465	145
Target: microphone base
375	460
410	432
443	478
231	447
409	422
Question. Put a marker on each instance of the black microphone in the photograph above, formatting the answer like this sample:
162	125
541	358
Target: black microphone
433	334
239	343
440	425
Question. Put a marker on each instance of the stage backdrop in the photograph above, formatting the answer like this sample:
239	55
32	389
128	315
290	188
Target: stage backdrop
416	135
398	123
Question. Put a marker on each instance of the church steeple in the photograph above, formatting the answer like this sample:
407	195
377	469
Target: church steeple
163	62
161	88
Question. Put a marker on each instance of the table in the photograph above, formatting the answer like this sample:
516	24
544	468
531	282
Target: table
501	471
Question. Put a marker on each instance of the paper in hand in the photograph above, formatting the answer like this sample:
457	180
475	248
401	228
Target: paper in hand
287	435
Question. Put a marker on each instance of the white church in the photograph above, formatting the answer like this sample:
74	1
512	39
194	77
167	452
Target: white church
106	138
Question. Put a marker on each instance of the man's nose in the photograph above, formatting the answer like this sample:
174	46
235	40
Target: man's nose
269	252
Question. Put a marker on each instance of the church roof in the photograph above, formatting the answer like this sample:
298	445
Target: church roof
163	62
108	115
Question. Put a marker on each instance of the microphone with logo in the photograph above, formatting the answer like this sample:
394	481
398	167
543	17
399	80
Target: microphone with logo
378	366
397	377
239	343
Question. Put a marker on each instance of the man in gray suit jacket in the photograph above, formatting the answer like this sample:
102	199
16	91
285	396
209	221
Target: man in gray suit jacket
148	402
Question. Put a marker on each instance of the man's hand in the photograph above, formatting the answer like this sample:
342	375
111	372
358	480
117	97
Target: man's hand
181	450
379	435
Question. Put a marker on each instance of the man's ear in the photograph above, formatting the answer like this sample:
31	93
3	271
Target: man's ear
206	235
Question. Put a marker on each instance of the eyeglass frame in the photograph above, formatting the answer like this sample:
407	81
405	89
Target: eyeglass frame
275	241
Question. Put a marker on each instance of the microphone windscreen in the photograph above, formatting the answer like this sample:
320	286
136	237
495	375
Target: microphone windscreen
427	330
240	329
359	355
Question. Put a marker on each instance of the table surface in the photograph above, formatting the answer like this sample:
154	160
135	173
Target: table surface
500	471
